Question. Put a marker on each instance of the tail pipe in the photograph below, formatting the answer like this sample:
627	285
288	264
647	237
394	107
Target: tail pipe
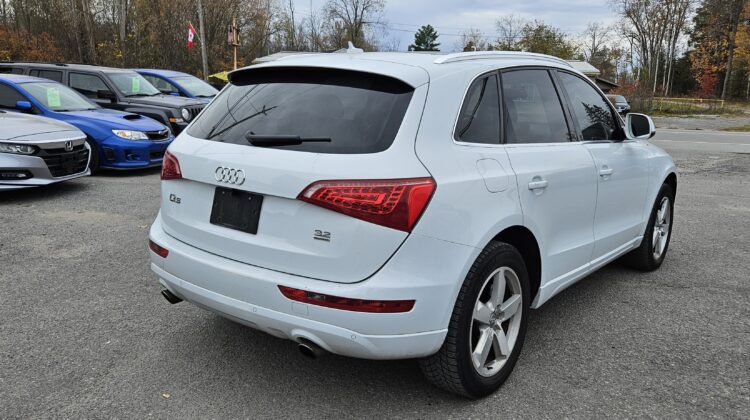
170	297
310	349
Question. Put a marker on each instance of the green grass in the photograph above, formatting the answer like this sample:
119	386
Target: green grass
743	128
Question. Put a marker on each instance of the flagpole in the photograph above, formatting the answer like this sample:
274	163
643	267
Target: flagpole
203	40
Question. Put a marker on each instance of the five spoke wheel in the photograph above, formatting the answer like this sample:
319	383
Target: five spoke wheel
496	321
662	224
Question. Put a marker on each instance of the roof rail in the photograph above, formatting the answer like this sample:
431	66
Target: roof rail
53	63
490	55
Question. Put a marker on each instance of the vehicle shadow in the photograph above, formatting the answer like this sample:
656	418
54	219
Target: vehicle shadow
45	192
238	356
112	173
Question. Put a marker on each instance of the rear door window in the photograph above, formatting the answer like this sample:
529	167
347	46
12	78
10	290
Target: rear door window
479	120
534	113
358	112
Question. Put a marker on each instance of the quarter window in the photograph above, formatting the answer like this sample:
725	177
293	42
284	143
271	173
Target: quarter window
87	84
590	109
479	120
47	74
534	113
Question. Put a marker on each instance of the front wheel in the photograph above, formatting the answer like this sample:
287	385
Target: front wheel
487	327
653	249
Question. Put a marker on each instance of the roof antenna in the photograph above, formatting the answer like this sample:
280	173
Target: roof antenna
352	49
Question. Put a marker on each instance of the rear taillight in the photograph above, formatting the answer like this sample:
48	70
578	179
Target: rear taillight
394	203
347	304
158	250
170	167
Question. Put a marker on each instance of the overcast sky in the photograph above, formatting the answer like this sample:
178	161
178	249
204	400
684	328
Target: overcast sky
450	17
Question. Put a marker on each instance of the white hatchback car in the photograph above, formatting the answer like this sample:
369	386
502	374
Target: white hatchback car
403	205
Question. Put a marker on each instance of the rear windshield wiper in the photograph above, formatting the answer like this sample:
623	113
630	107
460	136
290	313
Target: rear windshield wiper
264	140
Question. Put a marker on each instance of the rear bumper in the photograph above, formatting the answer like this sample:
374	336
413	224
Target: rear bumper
116	153
425	269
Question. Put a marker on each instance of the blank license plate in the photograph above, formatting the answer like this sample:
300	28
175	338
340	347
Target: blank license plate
234	209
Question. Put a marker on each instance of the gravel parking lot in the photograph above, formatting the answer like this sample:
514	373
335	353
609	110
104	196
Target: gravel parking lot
85	333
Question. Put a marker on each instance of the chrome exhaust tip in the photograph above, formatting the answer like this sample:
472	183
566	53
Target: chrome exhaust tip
309	349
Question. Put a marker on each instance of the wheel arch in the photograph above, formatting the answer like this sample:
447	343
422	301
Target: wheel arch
525	242
671	180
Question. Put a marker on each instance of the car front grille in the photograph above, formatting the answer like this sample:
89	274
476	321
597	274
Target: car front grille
62	163
194	111
158	135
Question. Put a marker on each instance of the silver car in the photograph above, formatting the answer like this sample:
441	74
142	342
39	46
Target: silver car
36	151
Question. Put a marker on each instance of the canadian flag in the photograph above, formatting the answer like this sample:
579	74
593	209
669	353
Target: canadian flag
191	35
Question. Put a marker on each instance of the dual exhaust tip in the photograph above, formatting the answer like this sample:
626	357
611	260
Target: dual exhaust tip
306	347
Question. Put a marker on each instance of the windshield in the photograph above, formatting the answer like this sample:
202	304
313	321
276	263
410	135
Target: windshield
620	99
133	84
196	86
358	112
57	97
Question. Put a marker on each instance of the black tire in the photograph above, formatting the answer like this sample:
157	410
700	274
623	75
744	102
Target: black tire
643	258
451	367
94	160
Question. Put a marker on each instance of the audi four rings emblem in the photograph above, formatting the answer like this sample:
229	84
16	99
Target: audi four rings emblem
229	175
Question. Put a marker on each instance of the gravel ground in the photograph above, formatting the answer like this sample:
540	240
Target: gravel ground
701	122
85	334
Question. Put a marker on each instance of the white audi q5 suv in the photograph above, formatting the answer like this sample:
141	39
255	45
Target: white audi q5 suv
403	205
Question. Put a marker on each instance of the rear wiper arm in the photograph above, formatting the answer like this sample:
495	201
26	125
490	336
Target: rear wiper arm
263	140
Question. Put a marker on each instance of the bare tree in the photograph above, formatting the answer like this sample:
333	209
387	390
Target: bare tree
735	12
595	37
509	32
351	19
472	39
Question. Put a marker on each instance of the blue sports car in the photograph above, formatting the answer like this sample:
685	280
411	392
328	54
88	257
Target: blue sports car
118	140
178	83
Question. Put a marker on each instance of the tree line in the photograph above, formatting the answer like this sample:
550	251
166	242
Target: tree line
657	47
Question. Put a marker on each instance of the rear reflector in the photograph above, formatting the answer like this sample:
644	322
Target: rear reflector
162	252
394	203
170	167
347	304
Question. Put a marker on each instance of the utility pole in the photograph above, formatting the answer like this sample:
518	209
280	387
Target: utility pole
234	39
203	40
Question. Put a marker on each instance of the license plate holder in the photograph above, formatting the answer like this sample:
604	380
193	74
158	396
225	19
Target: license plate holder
235	209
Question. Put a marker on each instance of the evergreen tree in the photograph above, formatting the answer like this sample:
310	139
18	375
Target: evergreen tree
425	39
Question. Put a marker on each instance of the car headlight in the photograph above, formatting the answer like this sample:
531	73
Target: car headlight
185	114
130	134
21	149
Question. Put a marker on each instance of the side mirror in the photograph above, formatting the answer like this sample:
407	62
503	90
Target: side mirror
24	106
106	94
639	126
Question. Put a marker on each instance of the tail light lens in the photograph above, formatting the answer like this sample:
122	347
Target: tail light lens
347	304
170	167
158	250
394	203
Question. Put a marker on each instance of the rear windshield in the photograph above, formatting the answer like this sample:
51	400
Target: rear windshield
358	112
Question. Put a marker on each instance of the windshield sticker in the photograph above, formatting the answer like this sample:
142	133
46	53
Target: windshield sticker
136	85
53	97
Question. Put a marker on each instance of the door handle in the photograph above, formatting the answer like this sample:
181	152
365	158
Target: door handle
605	172
538	184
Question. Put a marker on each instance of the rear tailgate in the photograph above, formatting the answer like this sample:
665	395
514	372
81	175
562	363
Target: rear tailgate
292	236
